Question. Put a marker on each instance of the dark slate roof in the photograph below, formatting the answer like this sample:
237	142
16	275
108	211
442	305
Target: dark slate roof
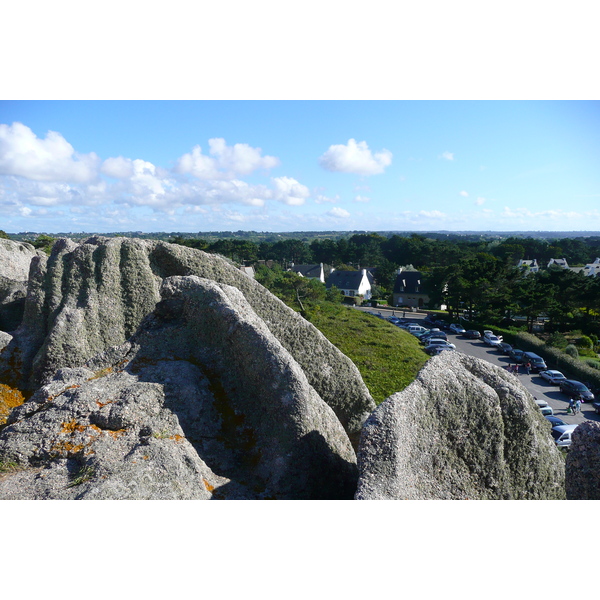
307	270
347	280
407	282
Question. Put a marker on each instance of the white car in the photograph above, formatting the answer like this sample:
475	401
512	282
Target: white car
490	339
553	377
459	329
562	435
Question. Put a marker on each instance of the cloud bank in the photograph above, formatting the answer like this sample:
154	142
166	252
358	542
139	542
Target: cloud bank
355	157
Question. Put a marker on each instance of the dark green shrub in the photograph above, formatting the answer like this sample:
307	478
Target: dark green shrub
572	351
584	342
556	340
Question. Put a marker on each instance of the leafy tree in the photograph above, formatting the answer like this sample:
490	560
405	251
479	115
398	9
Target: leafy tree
4	235
44	242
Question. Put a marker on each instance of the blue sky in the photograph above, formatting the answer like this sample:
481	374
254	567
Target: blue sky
299	165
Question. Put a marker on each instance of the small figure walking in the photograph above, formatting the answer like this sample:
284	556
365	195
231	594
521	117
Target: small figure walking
571	408
528	368
577	406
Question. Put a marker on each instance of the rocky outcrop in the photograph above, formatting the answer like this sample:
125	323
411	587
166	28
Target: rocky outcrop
90	296
463	429
582	481
203	401
15	261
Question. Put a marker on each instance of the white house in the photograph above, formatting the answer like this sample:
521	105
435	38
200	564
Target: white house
309	271
352	283
560	262
530	266
592	269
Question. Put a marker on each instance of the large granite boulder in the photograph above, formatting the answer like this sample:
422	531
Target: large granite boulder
89	296
582	480
202	401
15	261
463	429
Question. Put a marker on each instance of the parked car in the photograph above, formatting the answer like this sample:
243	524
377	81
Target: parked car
562	435
433	335
491	340
434	345
540	402
537	362
554	421
546	410
596	406
456	328
503	348
573	388
472	334
440	349
517	355
553	377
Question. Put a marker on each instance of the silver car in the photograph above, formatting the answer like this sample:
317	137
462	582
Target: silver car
553	377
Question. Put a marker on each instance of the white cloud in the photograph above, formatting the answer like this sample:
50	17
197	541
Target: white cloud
338	213
197	164
355	158
465	194
362	199
433	214
240	158
119	167
480	201
448	155
289	191
320	199
224	162
23	154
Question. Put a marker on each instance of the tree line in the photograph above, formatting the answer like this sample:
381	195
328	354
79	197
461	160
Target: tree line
477	276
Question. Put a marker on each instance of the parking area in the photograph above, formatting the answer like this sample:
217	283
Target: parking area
534	383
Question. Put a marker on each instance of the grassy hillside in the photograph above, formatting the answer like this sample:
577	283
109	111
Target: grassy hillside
387	357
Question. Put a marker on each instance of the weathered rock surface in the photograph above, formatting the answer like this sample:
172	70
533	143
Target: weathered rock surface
15	261
90	296
582	480
463	429
203	401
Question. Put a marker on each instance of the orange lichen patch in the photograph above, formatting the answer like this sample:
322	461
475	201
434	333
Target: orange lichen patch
52	398
177	437
9	399
64	447
116	433
72	427
207	485
102	404
101	373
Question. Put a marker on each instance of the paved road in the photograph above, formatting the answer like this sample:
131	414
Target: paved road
534	383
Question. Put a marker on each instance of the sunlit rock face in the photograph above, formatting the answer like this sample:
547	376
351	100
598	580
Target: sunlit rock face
89	296
158	371
15	262
463	429
583	463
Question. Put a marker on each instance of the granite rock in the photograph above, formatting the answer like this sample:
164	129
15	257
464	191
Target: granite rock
464	429
582	477
203	401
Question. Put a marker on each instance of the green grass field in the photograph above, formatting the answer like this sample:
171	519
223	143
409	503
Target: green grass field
387	357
